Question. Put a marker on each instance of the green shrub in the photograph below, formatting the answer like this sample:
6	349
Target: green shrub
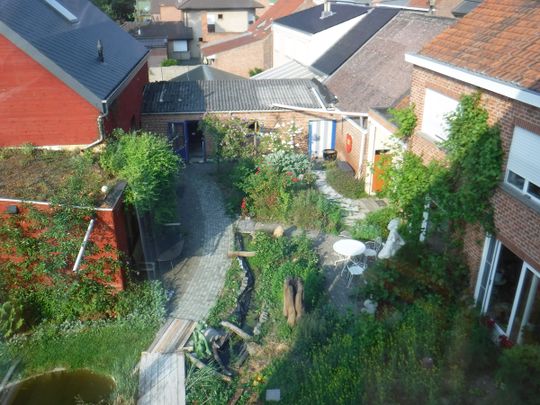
169	62
520	373
10	319
255	71
149	165
405	119
374	225
226	302
144	301
283	161
312	210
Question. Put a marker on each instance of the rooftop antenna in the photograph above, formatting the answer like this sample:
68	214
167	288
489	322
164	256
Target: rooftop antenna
100	51
327	10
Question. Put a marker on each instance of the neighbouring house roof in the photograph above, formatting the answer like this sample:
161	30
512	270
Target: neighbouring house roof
377	74
205	72
260	29
357	36
152	30
69	49
290	70
229	95
499	39
219	4
465	7
310	21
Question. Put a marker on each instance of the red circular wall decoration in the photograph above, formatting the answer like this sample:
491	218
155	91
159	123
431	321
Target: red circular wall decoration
348	143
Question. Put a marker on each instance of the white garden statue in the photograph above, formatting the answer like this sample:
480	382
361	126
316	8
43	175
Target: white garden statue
394	241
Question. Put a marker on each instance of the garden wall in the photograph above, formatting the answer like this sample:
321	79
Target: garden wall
517	220
109	229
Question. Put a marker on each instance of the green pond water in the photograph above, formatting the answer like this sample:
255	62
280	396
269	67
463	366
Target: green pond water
63	388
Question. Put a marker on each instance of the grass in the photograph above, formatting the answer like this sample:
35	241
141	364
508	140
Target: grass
111	348
344	182
226	302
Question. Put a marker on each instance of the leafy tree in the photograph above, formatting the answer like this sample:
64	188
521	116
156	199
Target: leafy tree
120	10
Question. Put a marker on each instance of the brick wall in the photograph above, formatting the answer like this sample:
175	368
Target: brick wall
158	123
109	229
241	59
517	224
343	129
38	108
125	111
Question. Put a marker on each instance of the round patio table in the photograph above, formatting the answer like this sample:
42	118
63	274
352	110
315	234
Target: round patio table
349	248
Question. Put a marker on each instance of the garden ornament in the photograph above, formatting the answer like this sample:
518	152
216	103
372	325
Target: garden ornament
394	241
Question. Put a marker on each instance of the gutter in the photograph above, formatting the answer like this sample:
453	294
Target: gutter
325	110
100	125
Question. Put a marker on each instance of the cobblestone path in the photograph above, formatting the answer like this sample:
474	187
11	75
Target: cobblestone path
198	278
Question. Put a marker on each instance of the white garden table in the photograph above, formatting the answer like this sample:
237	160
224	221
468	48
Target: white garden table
347	249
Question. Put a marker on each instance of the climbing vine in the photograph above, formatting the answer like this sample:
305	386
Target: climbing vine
463	183
405	119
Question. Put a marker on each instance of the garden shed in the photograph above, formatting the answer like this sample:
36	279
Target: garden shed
175	108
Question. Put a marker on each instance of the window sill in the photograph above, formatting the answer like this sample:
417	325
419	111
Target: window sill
528	201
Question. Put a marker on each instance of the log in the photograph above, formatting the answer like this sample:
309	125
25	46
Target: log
289	302
241	253
285	307
199	364
299	299
237	330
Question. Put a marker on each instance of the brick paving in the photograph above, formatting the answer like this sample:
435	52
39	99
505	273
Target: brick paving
198	278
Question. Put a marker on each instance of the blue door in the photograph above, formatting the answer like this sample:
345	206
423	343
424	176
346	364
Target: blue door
178	136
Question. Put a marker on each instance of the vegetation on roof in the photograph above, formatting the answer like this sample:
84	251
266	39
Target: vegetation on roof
35	174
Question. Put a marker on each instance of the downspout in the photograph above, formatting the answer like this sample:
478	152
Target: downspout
100	125
83	246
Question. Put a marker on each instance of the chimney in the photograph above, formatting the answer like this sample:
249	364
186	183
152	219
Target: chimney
100	51
327	10
431	6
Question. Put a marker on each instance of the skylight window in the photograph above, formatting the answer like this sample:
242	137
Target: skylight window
64	12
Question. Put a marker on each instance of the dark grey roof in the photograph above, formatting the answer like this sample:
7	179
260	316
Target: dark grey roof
465	7
69	50
205	72
219	4
169	29
310	20
354	39
377	74
228	95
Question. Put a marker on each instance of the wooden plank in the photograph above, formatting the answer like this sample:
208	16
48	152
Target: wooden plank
162	379
172	336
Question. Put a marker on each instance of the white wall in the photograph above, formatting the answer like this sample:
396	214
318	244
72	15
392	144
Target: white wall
291	44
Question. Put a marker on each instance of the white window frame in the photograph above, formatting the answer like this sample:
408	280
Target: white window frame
521	135
437	107
490	264
177	43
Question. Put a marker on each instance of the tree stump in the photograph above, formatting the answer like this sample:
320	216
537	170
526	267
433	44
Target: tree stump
293	300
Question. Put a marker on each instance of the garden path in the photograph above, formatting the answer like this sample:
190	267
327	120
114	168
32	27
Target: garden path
354	210
198	278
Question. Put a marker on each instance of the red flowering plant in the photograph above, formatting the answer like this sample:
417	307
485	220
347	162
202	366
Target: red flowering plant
505	343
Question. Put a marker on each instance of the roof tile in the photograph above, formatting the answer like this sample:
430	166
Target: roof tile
499	38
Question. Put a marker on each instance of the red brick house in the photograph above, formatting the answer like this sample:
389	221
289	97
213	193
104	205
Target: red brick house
56	88
495	50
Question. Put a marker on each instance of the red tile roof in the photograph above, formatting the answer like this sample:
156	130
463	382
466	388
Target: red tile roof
500	39
259	29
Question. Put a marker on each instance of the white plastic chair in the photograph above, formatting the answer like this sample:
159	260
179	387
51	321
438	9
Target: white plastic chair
353	269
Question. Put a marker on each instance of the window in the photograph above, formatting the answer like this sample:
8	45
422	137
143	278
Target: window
220	16
523	170
437	106
211	22
180	46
